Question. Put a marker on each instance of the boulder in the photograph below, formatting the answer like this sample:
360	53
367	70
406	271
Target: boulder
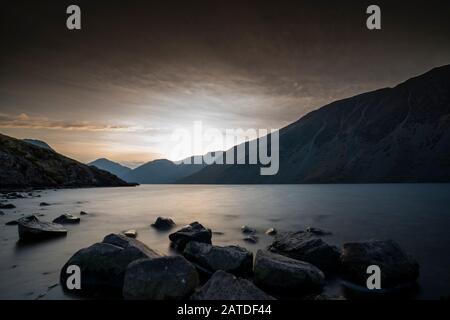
285	275
271	231
232	259
67	218
103	265
307	247
397	267
12	223
165	278
7	206
44	204
225	286
162	223
192	232
83	213
31	228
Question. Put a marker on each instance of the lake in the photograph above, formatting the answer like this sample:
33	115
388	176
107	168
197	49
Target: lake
417	216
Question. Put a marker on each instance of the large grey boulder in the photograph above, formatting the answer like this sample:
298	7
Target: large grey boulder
31	228
285	275
397	267
165	278
192	232
103	265
307	247
232	259
225	286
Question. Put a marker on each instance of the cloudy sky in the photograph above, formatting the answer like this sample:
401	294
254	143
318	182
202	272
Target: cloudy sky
138	70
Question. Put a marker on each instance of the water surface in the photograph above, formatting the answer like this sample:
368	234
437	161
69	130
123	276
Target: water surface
417	216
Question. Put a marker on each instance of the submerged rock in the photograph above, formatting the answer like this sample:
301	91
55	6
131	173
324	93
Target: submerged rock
31	228
163	223
103	265
285	275
225	286
317	231
165	278
7	206
83	213
233	259
130	233
66	218
305	246
2	213
44	204
247	230
192	232
397	267
251	239
12	223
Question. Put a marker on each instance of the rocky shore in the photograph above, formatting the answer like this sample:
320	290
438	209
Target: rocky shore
296	265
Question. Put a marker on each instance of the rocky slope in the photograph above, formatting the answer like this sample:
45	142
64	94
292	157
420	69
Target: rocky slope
399	134
24	165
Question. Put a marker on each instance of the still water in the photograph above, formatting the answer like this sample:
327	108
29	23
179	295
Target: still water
417	216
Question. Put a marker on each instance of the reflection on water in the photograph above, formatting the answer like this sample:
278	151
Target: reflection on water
416	216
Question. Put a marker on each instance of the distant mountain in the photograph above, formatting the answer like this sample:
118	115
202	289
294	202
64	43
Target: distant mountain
161	171
24	165
110	166
39	143
399	134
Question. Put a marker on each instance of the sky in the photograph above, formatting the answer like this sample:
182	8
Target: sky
139	70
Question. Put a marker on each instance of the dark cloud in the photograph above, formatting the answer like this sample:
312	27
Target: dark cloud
231	64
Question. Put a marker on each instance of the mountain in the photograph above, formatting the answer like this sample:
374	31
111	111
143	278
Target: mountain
110	166
39	143
24	165
161	171
399	134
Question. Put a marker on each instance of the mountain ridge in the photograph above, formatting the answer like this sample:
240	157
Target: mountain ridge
398	134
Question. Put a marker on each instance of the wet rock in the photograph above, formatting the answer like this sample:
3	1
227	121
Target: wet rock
67	218
163	223
247	230
232	259
7	206
317	231
251	239
397	267
225	286
103	265
12	223
130	233
83	213
165	278
31	228
271	231
307	247
285	275
192	232
44	204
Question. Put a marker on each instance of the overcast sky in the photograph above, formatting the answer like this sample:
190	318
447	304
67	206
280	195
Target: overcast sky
140	69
